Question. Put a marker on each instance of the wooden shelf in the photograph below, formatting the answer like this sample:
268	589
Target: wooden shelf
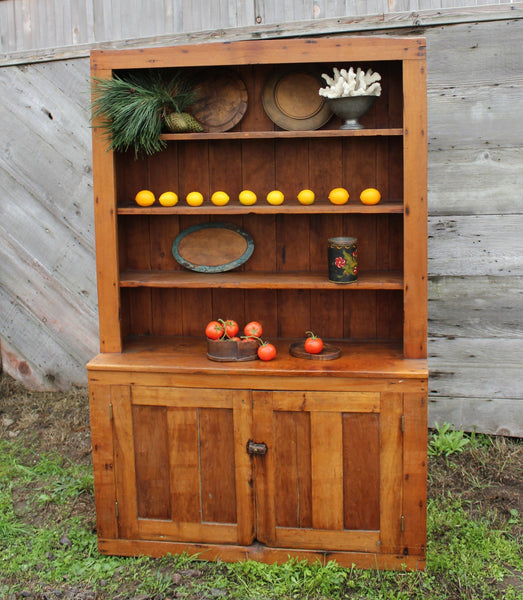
375	280
292	207
359	358
263	135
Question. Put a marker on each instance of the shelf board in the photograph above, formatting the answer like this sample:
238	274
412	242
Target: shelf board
375	280
262	135
292	207
184	355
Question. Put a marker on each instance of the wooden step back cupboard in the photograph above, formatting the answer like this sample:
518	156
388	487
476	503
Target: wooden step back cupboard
339	469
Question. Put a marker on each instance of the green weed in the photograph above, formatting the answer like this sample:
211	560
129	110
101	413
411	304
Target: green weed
446	441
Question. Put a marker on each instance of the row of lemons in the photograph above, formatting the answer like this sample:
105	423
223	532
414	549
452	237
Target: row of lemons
247	198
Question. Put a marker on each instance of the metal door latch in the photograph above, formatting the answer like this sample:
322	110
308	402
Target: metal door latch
256	449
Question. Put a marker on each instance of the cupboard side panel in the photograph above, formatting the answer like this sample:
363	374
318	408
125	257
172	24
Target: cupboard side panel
103	460
415	216
415	473
106	228
391	472
125	466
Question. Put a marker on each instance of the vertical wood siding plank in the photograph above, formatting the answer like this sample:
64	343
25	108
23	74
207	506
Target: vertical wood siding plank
167	311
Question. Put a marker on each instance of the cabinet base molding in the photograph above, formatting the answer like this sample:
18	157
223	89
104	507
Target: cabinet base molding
261	553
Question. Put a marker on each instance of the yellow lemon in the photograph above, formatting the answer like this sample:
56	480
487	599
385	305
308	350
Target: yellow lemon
220	198
339	196
144	198
247	198
370	196
194	199
275	197
168	199
306	197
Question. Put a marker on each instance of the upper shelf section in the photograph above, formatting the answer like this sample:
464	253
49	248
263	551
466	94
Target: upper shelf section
263	135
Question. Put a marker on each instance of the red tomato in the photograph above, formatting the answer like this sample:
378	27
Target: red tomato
313	344
214	330
231	328
266	352
253	329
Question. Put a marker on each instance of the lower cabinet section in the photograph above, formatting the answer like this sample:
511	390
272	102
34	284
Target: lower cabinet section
243	473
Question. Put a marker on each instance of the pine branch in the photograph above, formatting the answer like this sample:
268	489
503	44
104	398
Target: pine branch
132	110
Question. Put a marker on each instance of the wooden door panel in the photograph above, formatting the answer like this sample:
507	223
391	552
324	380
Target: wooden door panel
318	486
361	471
151	459
217	464
292	469
187	470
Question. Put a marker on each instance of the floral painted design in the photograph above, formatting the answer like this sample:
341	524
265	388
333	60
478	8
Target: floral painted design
343	260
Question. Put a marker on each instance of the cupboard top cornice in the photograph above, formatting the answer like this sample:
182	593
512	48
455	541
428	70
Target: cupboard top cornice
299	50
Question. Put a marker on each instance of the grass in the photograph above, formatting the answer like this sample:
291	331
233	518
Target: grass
48	543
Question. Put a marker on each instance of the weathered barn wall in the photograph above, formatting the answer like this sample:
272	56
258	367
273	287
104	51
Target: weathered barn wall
39	29
48	327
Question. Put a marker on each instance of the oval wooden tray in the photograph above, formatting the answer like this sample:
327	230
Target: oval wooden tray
213	247
329	352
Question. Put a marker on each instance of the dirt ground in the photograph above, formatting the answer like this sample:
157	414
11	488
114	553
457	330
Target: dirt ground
490	482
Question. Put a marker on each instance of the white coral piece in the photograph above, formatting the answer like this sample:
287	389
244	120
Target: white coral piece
349	83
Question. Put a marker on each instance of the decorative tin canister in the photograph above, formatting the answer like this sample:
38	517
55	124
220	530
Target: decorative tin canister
343	259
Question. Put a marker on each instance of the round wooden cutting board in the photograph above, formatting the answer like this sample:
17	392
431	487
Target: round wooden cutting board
329	352
222	100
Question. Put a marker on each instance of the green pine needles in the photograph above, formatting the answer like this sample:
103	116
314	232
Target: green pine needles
132	109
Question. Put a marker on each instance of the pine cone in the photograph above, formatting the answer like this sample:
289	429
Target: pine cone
182	122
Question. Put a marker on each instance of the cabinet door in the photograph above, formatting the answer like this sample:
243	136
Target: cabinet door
182	471
332	475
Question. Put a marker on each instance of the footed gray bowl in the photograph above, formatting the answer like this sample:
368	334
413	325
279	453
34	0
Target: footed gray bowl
351	109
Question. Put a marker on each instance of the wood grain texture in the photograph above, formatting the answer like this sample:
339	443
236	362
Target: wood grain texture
182	427
391	472
361	471
327	471
103	460
151	454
